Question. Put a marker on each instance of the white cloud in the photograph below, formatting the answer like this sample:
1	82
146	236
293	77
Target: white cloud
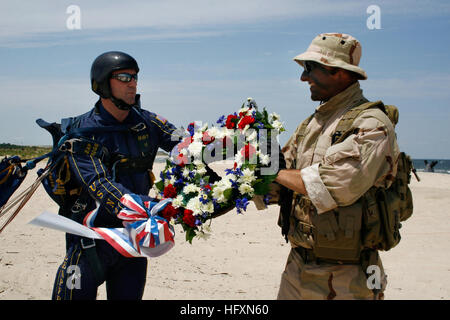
43	22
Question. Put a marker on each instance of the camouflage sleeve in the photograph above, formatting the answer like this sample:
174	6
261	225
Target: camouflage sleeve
351	167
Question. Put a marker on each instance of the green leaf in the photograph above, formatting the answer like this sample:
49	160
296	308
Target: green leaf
228	193
265	114
261	188
190	234
160	185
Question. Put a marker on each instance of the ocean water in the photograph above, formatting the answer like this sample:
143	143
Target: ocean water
443	165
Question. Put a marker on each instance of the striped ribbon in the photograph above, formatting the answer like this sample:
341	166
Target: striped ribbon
145	233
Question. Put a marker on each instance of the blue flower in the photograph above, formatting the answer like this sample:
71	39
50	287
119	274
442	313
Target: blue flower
237	172
241	204
191	129
179	182
216	205
198	222
229	171
234	184
204	199
266	199
205	215
221	121
260	125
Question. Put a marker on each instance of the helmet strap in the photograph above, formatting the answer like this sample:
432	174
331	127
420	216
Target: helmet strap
122	105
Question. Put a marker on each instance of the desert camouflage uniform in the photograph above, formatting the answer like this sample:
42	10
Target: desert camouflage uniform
336	176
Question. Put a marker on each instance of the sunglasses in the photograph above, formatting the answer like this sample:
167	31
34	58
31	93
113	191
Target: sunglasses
125	77
311	65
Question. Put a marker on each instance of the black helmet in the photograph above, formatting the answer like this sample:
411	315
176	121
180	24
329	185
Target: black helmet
102	68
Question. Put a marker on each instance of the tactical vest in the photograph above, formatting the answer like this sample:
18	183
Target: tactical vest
372	222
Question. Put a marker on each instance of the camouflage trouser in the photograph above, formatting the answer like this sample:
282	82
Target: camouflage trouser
329	281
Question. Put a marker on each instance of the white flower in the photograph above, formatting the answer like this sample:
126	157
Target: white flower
215	132
201	171
178	201
273	116
217	194
198	135
239	159
201	167
219	188
194	204
195	148
277	125
265	159
203	235
247	177
169	181
246	189
185	172
208	207
191	188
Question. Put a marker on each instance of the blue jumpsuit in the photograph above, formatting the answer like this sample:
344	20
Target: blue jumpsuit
78	277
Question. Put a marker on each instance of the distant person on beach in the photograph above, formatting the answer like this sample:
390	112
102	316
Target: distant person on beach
330	170
429	167
124	167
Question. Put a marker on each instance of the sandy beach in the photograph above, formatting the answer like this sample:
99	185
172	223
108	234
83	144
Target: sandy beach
243	258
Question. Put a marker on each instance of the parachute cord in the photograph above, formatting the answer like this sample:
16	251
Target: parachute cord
22	198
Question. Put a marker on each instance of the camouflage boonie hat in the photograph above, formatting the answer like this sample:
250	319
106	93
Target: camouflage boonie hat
335	50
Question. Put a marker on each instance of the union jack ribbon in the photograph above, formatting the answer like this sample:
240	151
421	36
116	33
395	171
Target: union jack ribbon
145	233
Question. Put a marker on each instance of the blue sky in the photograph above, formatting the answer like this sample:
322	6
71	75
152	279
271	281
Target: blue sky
200	59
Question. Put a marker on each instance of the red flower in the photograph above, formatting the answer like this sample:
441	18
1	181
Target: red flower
170	191
245	121
168	212
231	121
207	187
181	160
207	139
185	143
248	151
189	218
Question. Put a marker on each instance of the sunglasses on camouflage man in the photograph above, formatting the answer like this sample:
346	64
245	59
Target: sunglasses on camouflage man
125	77
311	65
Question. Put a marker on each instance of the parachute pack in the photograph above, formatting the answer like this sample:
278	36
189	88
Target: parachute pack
56	176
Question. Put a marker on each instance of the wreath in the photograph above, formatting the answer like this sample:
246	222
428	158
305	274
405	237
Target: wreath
198	194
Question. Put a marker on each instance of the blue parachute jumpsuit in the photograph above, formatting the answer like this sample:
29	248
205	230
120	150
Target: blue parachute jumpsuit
78	277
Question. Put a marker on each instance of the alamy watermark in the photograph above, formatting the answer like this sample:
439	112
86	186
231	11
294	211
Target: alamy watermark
73	22
374	278
74	280
374	20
